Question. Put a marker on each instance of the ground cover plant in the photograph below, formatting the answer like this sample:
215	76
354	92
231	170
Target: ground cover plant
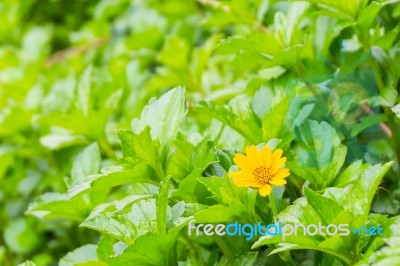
124	124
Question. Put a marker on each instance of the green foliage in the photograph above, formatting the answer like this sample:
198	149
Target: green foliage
119	122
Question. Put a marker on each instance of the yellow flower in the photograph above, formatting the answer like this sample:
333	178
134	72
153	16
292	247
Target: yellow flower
260	169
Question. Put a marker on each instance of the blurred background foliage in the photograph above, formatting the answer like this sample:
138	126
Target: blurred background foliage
74	72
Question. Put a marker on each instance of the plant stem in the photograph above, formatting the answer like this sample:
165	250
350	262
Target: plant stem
220	131
285	256
292	193
76	50
224	246
253	201
105	147
272	203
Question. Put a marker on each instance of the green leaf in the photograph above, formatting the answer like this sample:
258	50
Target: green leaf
21	236
260	43
151	249
386	256
215	214
388	96
319	141
58	140
364	189
6	158
179	162
236	211
188	186
340	8
163	116
149	151
141	173
326	208
396	110
56	205
138	217
368	15
80	255
61	95
126	138
214	186
225	158
237	115
87	162
288	30
385	250
386	203
27	263
319	154
272	122
83	91
350	205
92	263
175	213
325	30
299	117
365	123
168	55
148	250
203	155
224	191
245	259
389	75
264	101
105	247
314	210
350	174
336	245
111	226
299	212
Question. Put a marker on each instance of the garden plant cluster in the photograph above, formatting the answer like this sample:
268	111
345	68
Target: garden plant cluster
125	123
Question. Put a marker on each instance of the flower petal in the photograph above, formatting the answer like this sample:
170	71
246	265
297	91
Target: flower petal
266	156
241	175
243	162
265	190
243	179
277	181
253	155
281	174
275	165
276	155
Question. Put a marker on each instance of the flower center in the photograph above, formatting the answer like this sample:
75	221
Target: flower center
262	174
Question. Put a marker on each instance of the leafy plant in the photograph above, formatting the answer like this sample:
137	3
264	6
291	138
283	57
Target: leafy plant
120	122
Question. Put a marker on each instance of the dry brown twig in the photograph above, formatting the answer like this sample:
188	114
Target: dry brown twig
75	50
385	128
